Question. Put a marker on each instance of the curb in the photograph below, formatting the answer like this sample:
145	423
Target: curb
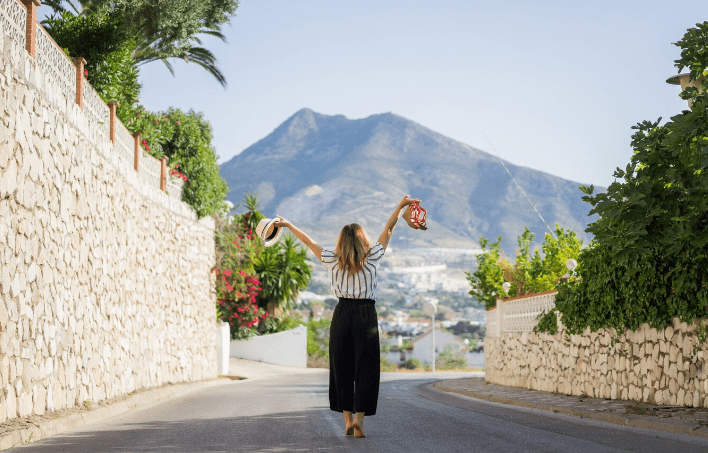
610	418
47	428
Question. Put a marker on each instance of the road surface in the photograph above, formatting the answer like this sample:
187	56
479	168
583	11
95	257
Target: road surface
290	413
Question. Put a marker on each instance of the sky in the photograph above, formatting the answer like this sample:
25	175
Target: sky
553	85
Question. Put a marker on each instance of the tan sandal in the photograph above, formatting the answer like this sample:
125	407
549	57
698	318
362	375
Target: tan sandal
358	432
349	431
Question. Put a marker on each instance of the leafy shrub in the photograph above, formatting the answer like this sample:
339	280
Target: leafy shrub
450	359
387	365
275	324
547	322
189	145
413	363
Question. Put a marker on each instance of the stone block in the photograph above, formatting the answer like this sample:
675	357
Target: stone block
668	333
658	397
673	386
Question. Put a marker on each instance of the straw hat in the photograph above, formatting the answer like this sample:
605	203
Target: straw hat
268	232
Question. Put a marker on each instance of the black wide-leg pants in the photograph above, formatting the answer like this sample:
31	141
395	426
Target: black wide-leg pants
354	357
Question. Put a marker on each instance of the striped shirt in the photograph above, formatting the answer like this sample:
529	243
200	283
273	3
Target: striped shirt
362	285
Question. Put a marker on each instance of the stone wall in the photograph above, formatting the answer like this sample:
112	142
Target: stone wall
105	283
649	365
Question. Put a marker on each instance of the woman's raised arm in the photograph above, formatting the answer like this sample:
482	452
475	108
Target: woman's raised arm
304	238
391	224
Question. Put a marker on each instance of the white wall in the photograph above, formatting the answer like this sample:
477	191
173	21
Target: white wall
222	347
105	283
422	347
287	348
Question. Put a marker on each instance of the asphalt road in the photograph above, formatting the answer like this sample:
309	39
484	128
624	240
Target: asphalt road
291	413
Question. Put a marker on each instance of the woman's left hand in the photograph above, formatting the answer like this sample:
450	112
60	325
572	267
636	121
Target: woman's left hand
281	223
406	201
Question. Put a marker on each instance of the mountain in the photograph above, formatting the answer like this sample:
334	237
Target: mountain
322	172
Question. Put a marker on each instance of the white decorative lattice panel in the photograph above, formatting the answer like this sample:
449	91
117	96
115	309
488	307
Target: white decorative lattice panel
125	145
97	112
56	64
520	314
150	170
13	21
175	186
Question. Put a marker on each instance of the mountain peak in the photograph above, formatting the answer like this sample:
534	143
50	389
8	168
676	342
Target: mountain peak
324	171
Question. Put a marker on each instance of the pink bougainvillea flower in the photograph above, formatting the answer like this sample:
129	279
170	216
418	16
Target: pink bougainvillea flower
155	121
177	166
86	72
164	119
145	142
227	273
147	147
177	123
185	177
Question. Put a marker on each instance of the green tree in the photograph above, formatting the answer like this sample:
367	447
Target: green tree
164	30
648	258
531	273
556	253
487	280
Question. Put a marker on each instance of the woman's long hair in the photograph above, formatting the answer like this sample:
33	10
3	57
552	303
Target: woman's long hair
352	248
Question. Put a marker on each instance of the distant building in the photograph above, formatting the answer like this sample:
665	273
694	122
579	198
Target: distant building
422	345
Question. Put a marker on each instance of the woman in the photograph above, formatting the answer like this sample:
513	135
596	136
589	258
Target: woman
354	356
